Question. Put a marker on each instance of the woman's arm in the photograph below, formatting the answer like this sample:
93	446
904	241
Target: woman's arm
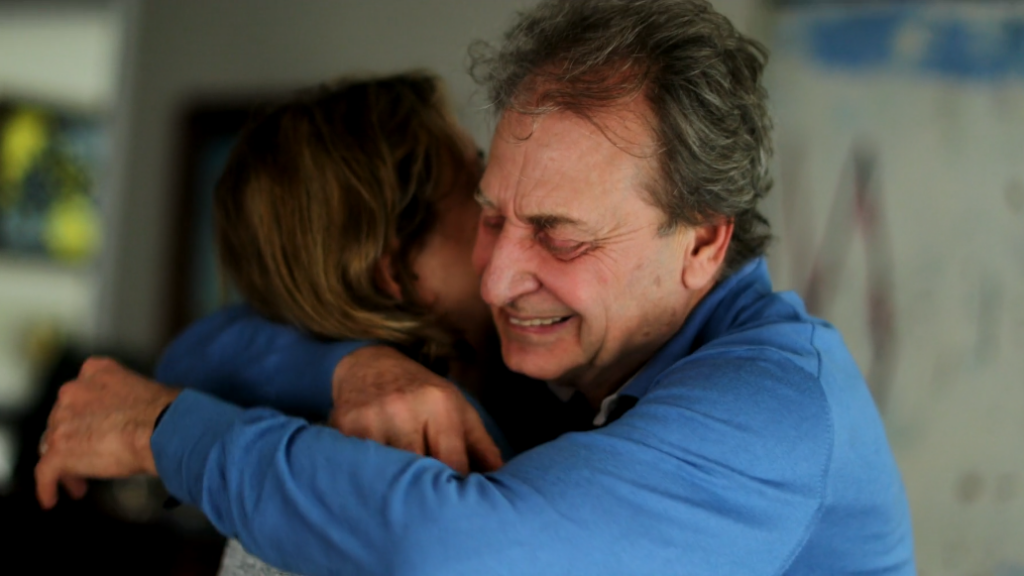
683	483
239	356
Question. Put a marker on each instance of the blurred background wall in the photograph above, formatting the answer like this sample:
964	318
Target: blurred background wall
59	70
900	215
899	205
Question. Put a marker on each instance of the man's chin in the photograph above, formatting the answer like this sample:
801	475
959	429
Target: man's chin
539	363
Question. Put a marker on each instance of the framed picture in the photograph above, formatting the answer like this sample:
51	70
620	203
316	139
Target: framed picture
50	158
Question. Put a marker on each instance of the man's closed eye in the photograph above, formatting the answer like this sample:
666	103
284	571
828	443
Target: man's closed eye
562	249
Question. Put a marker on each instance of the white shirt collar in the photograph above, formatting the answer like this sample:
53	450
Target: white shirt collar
564	393
608	404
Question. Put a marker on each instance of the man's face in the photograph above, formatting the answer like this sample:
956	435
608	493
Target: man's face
582	286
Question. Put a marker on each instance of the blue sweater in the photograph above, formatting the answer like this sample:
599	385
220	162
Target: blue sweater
754	448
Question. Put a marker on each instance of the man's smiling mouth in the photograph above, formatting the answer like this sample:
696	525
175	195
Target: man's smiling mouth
530	322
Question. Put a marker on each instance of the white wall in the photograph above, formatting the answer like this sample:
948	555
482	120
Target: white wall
67	55
946	229
62	53
185	48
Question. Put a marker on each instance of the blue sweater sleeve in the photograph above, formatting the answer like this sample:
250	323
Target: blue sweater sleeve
702	476
237	355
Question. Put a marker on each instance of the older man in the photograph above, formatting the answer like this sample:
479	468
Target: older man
620	246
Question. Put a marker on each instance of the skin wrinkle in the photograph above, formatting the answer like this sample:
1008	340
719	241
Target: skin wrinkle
701	78
617	232
606	127
527	195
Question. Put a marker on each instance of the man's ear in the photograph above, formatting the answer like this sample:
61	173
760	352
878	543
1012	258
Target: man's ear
384	276
707	254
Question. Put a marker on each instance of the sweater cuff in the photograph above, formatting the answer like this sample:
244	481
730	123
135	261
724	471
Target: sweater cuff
189	431
330	356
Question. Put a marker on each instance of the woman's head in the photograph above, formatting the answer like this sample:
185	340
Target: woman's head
337	208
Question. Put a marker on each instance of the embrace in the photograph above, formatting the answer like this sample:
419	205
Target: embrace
567	359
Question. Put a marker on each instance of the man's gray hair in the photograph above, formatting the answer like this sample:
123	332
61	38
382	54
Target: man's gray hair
699	75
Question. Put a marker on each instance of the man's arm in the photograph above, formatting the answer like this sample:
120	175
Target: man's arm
238	355
722	475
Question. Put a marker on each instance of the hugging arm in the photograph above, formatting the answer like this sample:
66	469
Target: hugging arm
239	356
677	482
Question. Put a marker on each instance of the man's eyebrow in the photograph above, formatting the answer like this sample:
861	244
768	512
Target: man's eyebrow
537	221
549	221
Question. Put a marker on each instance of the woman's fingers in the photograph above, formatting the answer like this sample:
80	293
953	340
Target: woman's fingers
409	439
446	442
483	452
424	415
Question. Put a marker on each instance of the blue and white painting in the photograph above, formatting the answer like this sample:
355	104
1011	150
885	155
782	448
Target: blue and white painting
899	210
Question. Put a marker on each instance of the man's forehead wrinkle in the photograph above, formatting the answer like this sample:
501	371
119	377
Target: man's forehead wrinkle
547	207
559	176
618	231
505	169
629	131
629	125
539	203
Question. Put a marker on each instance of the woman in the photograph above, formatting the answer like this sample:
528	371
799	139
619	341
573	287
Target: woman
348	213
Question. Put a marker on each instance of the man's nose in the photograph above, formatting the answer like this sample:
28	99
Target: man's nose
510	273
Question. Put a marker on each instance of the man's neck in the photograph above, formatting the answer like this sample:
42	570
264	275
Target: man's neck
611	380
599	382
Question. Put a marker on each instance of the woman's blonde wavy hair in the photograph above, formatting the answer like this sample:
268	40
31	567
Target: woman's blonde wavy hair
318	189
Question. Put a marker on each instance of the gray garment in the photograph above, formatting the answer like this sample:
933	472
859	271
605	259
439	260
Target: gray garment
237	562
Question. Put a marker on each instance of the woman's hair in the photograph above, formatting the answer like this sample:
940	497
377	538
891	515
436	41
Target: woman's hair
319	188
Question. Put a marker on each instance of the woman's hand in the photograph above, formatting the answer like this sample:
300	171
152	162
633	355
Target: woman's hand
382	395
